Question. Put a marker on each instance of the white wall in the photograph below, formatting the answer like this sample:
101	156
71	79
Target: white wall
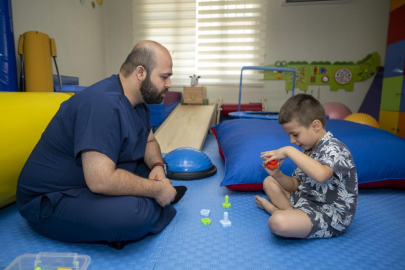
78	32
93	43
328	32
318	32
308	32
118	30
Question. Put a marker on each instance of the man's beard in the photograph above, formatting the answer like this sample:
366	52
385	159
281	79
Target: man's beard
150	93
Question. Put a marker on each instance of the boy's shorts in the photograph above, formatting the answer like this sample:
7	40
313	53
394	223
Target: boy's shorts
321	222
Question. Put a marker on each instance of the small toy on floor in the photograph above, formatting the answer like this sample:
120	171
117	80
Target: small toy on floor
206	221
226	222
226	204
205	212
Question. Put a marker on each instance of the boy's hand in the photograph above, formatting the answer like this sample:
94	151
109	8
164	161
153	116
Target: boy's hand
279	154
271	172
271	157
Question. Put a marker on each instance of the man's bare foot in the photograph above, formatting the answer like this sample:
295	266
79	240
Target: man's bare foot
265	204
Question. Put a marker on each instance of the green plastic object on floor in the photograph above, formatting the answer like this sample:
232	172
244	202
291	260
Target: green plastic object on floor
206	221
226	204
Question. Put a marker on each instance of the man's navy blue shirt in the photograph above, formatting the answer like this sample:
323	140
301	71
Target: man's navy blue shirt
99	118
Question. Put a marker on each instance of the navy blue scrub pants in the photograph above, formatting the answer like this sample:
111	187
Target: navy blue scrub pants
90	217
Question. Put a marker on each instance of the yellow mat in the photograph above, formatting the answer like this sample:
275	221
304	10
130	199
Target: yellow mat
23	118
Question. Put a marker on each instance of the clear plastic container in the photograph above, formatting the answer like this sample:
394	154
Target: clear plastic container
50	261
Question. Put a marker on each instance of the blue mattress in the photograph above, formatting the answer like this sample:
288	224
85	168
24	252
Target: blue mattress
375	240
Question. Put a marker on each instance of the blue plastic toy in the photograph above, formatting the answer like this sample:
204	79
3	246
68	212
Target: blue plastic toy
188	163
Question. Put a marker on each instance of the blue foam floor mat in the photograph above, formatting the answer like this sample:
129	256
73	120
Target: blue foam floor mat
375	240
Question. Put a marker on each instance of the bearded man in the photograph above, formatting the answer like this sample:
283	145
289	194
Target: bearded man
97	173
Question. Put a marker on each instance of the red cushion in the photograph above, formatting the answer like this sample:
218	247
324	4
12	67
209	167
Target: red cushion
398	184
171	97
246	187
221	153
227	108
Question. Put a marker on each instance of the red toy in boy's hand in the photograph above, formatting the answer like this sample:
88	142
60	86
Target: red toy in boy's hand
272	164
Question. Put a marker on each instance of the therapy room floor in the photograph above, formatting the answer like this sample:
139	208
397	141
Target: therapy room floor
375	240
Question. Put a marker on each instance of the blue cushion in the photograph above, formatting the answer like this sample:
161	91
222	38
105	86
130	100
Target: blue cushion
378	154
159	112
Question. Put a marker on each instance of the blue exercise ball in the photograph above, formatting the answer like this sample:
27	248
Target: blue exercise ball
188	163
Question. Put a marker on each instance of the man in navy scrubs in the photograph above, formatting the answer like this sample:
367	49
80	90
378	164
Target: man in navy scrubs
97	173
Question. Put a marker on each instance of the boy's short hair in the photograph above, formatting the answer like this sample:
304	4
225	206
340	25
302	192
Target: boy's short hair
302	108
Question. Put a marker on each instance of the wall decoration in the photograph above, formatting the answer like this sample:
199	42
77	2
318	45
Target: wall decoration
343	75
339	75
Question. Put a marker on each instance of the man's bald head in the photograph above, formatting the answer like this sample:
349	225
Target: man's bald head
143	54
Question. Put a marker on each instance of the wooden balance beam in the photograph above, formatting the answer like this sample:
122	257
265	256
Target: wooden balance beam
186	126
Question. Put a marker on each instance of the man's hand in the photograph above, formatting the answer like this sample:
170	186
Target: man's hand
166	192
157	173
102	177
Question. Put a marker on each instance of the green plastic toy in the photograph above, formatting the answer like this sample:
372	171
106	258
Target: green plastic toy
206	221
338	75
226	204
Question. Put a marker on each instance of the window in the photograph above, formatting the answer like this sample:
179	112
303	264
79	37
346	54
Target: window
173	24
209	38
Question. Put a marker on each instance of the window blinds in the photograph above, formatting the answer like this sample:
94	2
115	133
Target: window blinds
231	34
209	38
173	24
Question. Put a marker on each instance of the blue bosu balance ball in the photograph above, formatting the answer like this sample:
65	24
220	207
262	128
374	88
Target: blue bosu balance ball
188	163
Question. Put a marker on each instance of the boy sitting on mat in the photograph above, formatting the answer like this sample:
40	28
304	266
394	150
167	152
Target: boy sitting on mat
319	200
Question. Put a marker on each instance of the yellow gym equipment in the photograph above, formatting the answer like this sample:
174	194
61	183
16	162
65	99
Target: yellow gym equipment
35	50
24	116
363	118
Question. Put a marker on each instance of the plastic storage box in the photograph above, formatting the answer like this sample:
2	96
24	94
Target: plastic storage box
50	261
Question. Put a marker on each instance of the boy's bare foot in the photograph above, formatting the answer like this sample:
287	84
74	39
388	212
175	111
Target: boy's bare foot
258	201
265	204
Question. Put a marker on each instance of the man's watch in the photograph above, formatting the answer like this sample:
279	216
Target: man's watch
161	164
